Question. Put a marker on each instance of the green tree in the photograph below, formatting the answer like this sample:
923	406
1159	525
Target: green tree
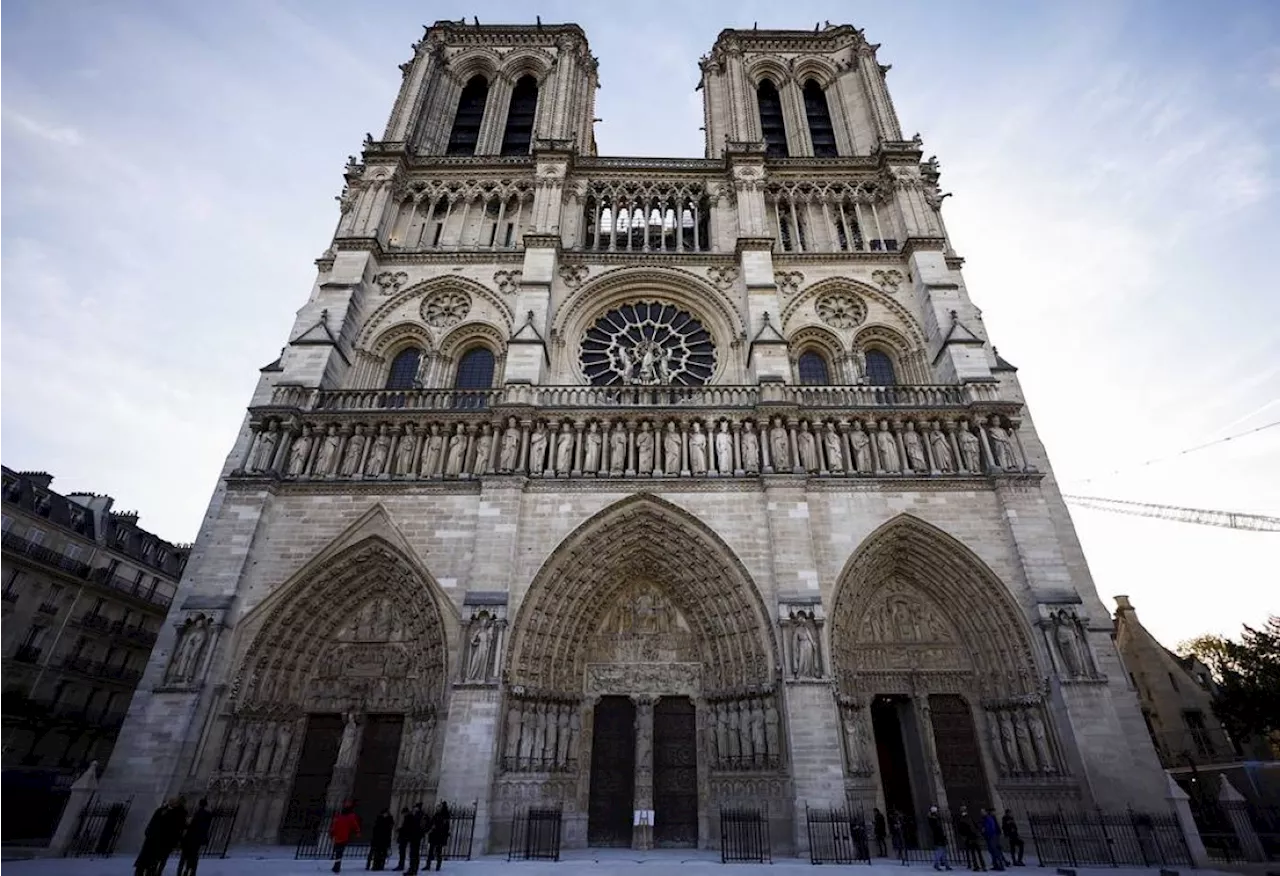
1247	673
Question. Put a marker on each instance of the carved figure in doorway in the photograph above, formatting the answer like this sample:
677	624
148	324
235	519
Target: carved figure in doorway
1069	637
284	735
510	447
513	732
772	730
231	754
757	733
1040	740
350	736
805	649
750	448
481	646
186	657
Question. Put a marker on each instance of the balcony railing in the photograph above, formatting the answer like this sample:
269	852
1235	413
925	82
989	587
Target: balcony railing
93	621
133	633
105	578
98	669
48	556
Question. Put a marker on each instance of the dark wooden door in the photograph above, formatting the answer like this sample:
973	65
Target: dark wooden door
675	773
613	773
891	754
311	780
959	756
376	766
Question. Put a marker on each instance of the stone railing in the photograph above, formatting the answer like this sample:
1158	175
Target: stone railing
583	431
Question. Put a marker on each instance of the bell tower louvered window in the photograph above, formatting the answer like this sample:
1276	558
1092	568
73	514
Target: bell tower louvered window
819	115
772	127
518	135
466	124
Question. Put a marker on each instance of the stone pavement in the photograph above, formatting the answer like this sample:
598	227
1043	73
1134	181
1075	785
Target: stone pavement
590	862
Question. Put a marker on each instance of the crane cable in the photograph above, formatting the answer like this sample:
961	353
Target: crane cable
1212	443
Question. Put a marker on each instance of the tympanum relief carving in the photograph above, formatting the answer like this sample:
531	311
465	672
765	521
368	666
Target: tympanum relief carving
903	631
644	626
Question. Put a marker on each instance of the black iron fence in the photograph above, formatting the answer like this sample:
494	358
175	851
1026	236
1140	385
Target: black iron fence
837	836
744	836
98	828
1238	831
1108	839
222	823
535	834
315	843
462	830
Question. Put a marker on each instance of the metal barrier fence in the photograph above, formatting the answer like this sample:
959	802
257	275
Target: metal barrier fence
314	842
1108	839
98	829
744	836
1228	830
535	834
837	836
221	825
462	830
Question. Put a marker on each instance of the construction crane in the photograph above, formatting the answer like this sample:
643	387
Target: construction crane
1228	519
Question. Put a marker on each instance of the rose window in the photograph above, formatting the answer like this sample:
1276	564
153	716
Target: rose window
445	308
648	343
841	310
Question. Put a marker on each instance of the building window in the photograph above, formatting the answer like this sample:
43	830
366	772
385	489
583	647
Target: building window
813	369
475	369
773	129
820	129
1194	719
404	369
880	369
35	536
524	105
466	124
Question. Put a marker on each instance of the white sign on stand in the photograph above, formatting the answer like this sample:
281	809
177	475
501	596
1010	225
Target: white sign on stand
643	818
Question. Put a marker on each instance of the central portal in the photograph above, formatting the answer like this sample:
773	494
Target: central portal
613	773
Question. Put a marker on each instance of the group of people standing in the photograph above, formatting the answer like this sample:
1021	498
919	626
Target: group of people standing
988	827
416	825
169	829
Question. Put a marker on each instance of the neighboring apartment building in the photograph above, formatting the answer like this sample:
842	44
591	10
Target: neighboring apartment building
85	593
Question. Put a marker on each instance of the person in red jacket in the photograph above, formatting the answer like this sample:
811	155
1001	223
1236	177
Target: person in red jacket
345	828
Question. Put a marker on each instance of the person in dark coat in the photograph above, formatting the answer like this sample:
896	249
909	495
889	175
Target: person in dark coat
1016	846
163	834
194	839
897	832
384	827
881	829
417	829
967	833
438	835
938	834
991	833
402	836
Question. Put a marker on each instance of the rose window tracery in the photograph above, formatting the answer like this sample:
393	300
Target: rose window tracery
648	343
445	308
841	310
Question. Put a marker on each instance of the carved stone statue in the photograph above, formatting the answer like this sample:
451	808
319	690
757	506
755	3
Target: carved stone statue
510	447
1025	747
405	449
915	449
591	453
350	737
834	451
186	657
970	451
300	452
618	449
854	748
1010	742
284	735
266	750
1040	740
779	446
671	442
805	650
861	444
750	448
355	451
538	449
513	732
808	447
724	449
564	450
697	450
1076	659
457	450
265	450
328	460
231	754
252	736
644	449
484	450
997	744
481	646
860	365
377	463
1002	446
941	447
433	455
757	732
772	731
888	449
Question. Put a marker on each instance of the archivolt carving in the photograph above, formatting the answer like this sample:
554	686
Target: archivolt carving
889	621
398	337
376	323
905	321
469	62
536	62
841	310
814	67
468	334
768	67
445	307
825	341
648	566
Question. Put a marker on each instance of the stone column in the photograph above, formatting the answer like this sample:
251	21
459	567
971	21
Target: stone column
924	725
642	834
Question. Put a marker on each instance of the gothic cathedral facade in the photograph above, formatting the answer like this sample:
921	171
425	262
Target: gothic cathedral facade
625	485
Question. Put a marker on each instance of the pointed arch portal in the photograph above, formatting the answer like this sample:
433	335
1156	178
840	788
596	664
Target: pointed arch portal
642	661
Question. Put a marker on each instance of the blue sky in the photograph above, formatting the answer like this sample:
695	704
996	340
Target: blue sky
170	170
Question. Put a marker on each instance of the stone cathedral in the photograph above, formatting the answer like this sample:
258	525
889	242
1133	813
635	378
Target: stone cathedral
636	484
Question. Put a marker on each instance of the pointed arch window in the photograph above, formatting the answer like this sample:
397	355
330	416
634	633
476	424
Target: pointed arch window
813	369
466	124
819	115
773	129
518	135
475	369
404	369
880	369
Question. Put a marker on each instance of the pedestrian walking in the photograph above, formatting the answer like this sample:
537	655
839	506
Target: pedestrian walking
417	829
1016	846
967	833
991	833
896	831
163	833
345	828
195	838
880	829
438	835
384	827
938	834
402	836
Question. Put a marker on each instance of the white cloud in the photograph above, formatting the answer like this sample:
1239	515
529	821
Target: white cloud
62	135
